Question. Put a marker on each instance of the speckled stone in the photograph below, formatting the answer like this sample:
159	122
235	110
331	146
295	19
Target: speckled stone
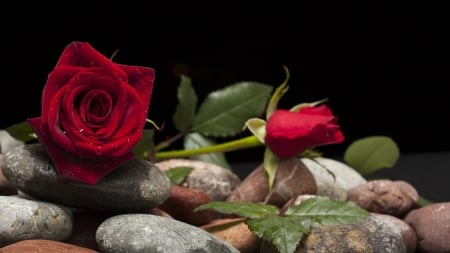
22	219
134	233
44	246
137	185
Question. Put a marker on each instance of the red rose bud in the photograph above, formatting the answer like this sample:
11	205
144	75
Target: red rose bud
93	112
290	133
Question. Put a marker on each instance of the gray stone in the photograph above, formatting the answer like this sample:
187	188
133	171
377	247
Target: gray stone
22	219
137	185
136	233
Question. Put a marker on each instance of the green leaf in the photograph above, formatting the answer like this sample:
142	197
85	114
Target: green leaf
244	209
270	164
22	131
326	211
183	117
178	174
277	95
373	153
297	108
225	111
257	127
283	232
144	147
195	141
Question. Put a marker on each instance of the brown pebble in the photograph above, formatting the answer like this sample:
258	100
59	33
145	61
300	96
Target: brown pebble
236	232
432	225
292	179
181	203
44	246
385	196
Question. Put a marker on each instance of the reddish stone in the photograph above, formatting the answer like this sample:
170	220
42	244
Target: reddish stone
181	203
44	246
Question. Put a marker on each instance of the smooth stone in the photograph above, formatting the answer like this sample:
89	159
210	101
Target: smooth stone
385	196
6	188
44	246
432	225
137	185
236	232
374	234
333	178
407	232
145	233
22	219
217	182
292	179
7	142
181	204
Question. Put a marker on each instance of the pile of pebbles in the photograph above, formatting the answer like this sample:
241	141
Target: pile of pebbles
137	209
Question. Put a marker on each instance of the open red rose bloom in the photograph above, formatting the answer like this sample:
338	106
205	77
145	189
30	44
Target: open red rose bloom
93	113
290	133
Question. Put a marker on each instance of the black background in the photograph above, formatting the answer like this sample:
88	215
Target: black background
383	67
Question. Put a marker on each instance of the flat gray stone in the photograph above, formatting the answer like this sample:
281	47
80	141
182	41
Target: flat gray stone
22	219
146	233
138	185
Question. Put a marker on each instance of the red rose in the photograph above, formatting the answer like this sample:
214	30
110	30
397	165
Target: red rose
290	133
93	112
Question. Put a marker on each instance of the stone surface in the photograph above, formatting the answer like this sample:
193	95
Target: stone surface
150	233
181	203
385	196
22	219
236	232
137	185
7	142
292	179
44	246
432	225
6	188
371	235
333	178
217	182
407	232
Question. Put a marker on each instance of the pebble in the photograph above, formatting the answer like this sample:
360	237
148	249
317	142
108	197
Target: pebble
44	246
217	182
385	196
293	178
432	225
134	233
137	185
22	219
374	234
181	203
333	178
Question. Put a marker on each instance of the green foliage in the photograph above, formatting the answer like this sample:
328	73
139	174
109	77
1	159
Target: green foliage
178	174
145	145
373	153
183	117
196	140
224	112
22	131
286	231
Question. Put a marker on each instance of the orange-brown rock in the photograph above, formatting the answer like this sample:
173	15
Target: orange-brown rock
236	232
44	246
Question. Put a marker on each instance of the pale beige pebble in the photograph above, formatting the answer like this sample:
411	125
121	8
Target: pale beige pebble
216	181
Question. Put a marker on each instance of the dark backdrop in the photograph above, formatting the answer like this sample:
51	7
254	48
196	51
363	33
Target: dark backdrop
384	67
